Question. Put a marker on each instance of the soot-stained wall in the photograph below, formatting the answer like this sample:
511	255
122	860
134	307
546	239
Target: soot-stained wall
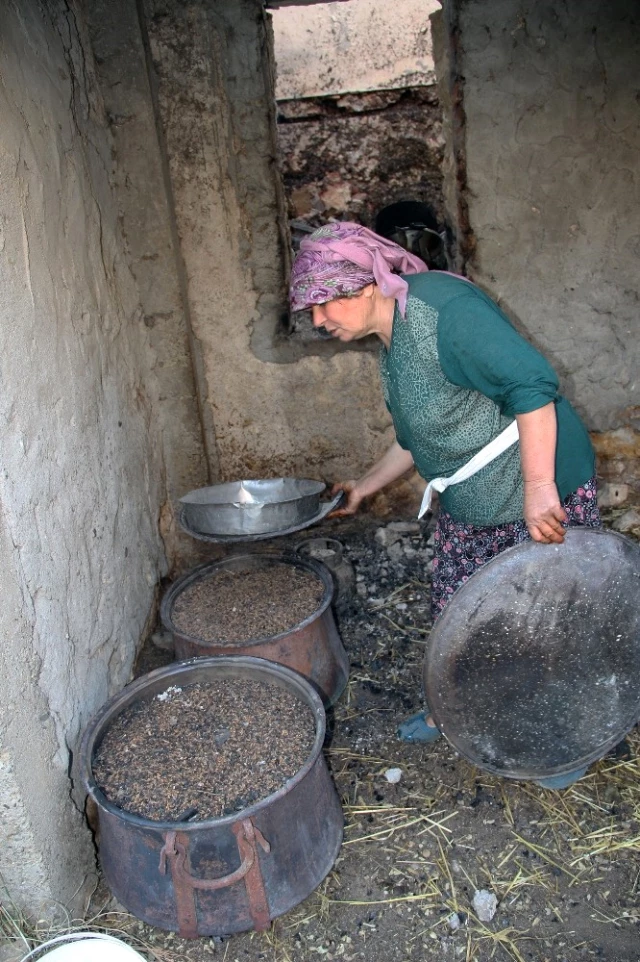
348	156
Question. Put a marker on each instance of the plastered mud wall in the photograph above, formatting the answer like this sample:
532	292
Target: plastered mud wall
547	170
81	468
273	414
352	47
147	217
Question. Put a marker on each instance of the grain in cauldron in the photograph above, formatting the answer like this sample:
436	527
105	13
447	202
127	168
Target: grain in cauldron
220	875
311	646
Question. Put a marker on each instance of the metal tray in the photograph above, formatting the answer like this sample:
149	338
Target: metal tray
533	669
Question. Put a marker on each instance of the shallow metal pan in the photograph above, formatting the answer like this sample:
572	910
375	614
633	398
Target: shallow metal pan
251	507
326	507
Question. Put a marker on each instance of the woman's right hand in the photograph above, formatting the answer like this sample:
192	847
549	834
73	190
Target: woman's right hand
353	499
391	466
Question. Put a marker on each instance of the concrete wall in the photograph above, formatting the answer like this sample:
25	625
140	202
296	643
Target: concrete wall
362	45
215	93
81	474
544	123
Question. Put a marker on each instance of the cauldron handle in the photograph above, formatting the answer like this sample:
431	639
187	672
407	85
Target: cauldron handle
175	849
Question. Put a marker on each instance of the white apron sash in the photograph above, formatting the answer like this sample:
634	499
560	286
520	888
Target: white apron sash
487	454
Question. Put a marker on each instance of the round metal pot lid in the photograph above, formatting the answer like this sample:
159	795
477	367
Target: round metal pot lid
251	507
320	515
533	669
254	492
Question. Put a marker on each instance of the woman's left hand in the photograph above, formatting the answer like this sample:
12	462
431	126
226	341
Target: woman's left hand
543	512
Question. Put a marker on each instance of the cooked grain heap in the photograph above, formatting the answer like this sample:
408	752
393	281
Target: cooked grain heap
204	751
241	605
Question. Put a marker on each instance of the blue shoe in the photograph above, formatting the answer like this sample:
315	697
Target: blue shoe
415	729
562	781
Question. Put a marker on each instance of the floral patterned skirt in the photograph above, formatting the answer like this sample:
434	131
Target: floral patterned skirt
460	549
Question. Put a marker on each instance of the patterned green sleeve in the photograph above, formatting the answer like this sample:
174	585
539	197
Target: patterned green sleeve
479	349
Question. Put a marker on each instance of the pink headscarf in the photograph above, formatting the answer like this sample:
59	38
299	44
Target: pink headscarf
341	258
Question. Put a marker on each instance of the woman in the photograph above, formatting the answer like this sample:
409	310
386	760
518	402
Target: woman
456	376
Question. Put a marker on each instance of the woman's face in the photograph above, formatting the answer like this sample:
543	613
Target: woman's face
347	318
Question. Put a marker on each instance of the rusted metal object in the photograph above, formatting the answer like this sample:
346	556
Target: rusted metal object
533	669
313	647
223	875
330	552
175	851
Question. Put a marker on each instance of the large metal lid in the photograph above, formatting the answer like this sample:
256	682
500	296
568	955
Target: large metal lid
534	667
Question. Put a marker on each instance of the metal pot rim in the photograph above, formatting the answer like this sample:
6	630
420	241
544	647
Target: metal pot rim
216	494
128	695
169	599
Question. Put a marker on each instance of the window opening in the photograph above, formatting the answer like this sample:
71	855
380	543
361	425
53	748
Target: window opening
359	129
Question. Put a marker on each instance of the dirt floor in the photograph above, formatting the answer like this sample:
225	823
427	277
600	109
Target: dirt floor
564	867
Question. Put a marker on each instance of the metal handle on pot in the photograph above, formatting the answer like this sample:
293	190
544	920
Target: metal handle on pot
175	850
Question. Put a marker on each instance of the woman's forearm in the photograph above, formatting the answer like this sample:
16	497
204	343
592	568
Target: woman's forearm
543	512
538	432
391	466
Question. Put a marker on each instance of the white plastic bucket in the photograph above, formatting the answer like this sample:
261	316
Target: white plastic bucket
84	947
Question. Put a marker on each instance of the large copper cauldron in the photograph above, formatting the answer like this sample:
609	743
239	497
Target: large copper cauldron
229	874
313	647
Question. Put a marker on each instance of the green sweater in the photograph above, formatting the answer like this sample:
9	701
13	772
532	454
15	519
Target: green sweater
455	375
